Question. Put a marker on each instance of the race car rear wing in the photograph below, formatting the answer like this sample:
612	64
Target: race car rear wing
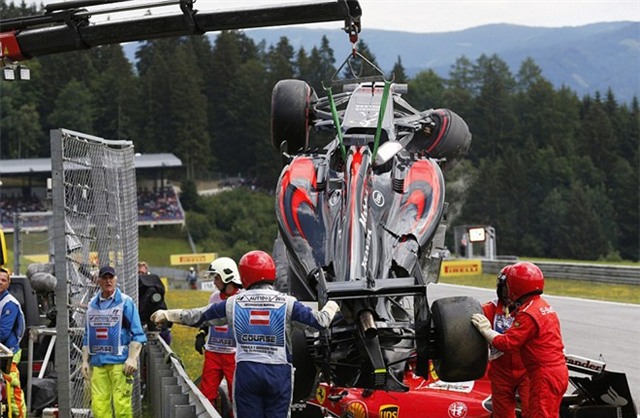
584	365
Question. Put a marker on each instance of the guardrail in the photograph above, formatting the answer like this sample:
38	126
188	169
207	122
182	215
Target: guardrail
576	271
170	391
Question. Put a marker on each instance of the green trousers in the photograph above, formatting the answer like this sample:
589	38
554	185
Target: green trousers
109	385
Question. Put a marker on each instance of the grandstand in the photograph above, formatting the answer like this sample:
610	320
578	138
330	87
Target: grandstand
24	189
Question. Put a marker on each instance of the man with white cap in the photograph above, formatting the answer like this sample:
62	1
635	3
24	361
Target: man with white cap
216	341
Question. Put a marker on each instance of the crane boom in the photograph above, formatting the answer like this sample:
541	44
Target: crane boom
63	29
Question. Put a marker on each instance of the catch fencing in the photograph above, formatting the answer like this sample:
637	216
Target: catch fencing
94	224
604	273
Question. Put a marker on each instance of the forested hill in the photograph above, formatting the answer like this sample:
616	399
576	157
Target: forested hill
586	58
556	173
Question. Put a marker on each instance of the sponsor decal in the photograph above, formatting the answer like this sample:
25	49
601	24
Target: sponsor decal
378	198
547	310
102	333
389	411
321	394
357	409
259	317
457	410
258	338
461	268
335	198
585	363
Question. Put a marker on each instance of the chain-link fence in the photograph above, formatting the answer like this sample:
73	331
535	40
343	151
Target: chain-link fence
94	224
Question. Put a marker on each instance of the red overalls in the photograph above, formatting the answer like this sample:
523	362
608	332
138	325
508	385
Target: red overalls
536	334
219	357
506	371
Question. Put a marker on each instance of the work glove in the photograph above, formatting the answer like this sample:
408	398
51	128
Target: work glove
484	326
201	340
131	363
85	368
326	314
170	315
332	308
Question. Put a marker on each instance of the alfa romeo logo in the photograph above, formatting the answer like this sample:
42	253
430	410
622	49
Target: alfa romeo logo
457	410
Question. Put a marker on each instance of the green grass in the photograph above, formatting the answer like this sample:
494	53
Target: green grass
156	251
184	336
562	287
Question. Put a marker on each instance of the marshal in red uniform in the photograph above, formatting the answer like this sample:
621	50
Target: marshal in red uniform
535	333
506	372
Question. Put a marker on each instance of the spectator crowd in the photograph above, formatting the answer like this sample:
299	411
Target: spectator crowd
154	206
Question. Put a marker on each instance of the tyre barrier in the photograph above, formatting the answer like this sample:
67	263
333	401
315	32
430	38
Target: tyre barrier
603	273
169	390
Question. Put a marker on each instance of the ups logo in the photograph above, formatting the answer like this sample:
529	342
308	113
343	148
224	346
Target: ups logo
389	411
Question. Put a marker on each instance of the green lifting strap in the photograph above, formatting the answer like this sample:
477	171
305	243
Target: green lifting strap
383	107
336	122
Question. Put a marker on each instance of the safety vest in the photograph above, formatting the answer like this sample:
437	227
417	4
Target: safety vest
259	320
20	325
220	338
105	327
501	323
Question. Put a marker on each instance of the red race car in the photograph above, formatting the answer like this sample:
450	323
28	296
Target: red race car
430	397
595	392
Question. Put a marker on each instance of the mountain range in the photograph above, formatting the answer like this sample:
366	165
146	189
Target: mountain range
586	59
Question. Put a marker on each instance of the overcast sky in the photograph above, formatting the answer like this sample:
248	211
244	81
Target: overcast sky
452	15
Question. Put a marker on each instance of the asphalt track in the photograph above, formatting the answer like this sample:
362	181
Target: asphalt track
591	329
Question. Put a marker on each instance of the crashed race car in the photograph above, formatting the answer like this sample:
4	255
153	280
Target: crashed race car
362	222
595	392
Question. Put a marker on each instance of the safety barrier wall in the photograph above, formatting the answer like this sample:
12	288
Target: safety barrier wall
169	390
576	271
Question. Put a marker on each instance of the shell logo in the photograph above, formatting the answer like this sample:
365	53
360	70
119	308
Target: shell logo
357	409
458	410
432	372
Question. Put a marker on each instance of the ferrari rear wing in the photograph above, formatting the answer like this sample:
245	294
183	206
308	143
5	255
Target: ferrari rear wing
68	27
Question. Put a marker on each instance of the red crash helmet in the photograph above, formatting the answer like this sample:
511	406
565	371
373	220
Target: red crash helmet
524	279
256	267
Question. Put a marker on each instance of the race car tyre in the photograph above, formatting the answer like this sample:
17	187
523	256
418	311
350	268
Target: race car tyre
290	107
305	378
462	353
450	138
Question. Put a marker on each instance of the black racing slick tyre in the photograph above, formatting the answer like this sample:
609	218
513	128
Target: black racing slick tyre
449	139
462	352
291	102
305	380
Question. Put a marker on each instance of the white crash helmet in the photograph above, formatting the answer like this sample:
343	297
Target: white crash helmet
226	268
